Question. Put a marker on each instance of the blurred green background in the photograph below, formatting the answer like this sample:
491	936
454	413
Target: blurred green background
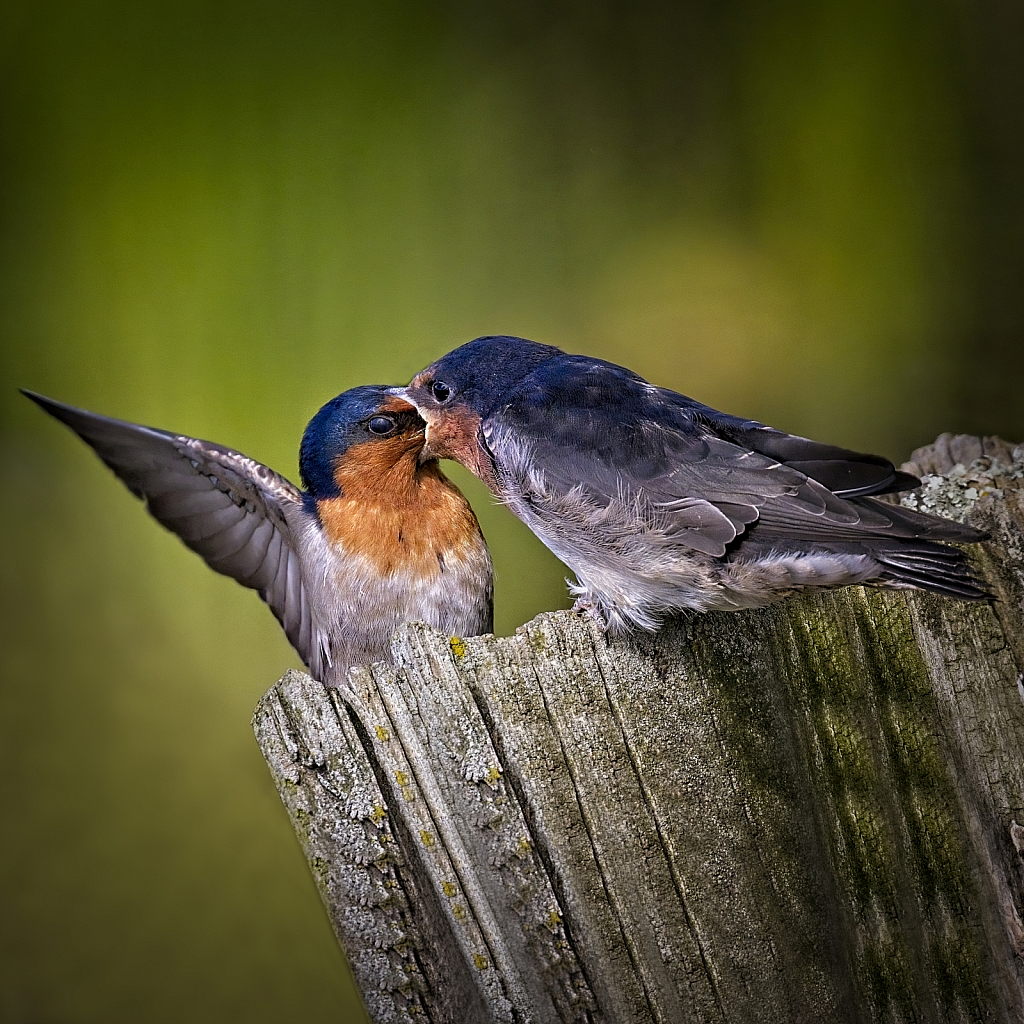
215	216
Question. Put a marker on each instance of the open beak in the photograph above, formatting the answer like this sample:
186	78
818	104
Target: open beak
408	394
426	452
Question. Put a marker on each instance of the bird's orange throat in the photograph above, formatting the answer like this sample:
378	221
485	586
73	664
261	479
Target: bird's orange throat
399	515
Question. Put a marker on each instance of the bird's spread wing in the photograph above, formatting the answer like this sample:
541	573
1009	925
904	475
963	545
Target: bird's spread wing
598	430
225	506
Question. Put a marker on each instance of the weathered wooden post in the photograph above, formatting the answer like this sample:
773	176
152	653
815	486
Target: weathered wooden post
802	813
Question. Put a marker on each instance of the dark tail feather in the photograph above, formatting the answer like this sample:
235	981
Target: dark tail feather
932	567
907	522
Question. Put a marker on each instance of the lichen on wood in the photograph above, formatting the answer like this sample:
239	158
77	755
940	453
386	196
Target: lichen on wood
799	813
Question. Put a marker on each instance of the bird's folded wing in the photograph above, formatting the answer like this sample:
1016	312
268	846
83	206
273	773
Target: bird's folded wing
596	432
592	428
225	506
846	473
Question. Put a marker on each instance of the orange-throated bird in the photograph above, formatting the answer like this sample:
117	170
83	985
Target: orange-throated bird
378	537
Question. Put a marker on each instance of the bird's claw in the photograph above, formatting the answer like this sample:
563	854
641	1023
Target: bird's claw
586	605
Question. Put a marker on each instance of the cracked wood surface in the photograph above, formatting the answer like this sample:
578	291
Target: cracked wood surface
801	813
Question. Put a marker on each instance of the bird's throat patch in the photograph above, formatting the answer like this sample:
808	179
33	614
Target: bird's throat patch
401	516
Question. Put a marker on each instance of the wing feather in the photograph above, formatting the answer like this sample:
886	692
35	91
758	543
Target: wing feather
598	430
206	530
232	541
247	561
233	511
189	497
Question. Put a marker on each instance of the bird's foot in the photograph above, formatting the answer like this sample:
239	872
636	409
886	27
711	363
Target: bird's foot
586	605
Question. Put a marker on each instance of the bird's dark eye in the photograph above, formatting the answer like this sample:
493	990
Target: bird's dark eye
381	425
440	391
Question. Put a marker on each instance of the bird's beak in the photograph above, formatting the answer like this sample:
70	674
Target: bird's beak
427	452
408	394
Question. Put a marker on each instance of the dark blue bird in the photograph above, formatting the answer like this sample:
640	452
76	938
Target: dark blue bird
378	537
659	503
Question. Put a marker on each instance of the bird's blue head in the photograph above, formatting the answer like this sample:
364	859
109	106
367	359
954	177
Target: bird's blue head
366	427
478	374
455	393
